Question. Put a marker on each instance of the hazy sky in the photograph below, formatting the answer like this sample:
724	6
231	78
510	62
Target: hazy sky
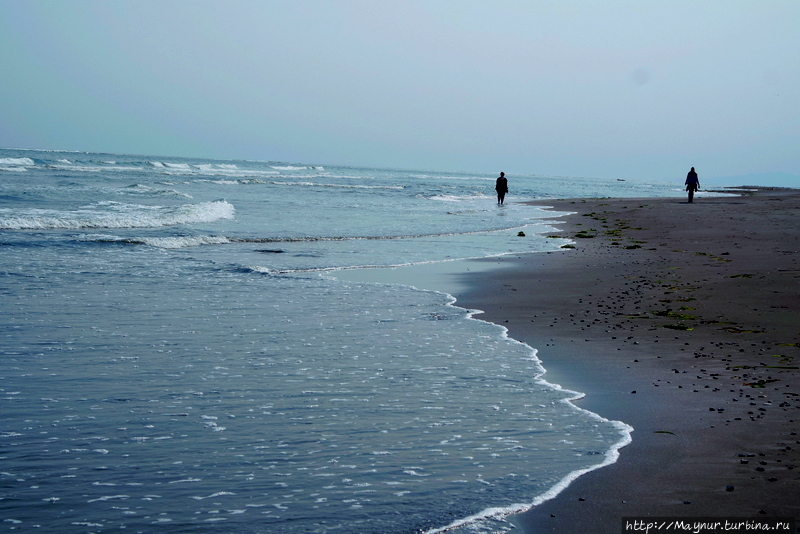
616	89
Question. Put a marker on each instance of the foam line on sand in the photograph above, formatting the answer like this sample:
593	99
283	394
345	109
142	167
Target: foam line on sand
682	320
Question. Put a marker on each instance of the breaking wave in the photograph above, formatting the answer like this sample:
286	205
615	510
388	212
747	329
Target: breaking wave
114	215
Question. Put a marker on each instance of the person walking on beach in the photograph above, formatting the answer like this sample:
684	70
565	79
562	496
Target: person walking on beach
501	187
692	184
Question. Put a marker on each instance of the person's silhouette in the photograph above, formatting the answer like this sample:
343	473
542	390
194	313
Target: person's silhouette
692	184
501	187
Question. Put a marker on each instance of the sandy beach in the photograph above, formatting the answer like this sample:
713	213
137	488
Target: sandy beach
682	320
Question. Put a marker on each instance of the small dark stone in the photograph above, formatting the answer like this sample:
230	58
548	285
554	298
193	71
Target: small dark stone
729	488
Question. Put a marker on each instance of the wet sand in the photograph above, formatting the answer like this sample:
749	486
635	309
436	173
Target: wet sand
682	320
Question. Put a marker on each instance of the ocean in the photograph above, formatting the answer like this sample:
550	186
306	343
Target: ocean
177	354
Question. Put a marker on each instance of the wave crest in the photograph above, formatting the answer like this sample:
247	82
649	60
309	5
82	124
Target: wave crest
22	162
115	215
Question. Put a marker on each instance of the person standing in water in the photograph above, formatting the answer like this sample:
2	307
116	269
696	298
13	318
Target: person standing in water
692	183
501	187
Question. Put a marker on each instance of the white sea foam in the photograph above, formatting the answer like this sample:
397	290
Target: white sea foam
217	494
341	186
109	498
209	169
115	215
183	242
610	456
16	164
66	165
22	162
174	168
147	190
226	182
178	166
457	198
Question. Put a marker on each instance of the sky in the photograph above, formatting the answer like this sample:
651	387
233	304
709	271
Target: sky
609	89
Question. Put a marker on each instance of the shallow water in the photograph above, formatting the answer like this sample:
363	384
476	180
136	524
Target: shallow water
174	353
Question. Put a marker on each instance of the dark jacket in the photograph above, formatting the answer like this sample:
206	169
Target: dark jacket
691	179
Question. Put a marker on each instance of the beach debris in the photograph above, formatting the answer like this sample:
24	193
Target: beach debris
677	326
521	234
673	315
711	256
760	384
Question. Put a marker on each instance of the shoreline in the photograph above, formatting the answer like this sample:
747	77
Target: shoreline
680	320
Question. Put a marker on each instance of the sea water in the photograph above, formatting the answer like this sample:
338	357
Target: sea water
175	355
